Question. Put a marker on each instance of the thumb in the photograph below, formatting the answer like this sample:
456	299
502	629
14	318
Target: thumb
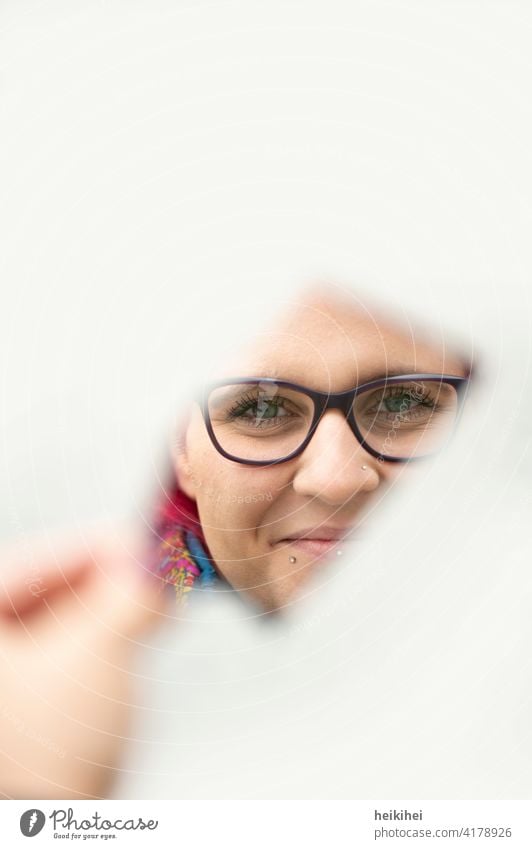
122	593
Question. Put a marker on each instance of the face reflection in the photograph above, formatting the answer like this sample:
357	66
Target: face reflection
252	515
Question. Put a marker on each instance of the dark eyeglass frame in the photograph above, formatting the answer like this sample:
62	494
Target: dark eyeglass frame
324	401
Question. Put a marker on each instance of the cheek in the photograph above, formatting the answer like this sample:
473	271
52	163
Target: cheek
232	507
235	514
233	501
392	474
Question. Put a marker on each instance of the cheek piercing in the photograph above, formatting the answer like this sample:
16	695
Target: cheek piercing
292	559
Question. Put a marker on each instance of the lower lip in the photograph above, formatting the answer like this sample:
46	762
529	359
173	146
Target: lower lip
314	547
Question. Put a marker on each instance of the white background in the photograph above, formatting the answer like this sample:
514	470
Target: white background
170	173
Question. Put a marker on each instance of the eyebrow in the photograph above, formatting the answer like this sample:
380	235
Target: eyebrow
396	370
402	368
378	374
275	374
410	368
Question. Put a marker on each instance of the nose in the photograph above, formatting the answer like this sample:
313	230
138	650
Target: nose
330	467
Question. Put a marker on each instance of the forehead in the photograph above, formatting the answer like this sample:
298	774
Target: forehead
325	340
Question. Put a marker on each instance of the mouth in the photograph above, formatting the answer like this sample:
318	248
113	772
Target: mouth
316	543
317	548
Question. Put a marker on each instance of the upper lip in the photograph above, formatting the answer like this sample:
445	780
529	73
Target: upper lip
322	532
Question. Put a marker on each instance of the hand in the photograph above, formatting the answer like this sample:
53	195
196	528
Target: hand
70	617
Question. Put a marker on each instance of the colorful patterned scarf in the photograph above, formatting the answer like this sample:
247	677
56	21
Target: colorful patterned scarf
180	554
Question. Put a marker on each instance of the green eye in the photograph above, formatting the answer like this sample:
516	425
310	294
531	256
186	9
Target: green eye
399	403
257	410
267	409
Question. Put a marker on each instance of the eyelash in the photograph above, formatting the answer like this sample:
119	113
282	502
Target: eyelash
247	401
397	392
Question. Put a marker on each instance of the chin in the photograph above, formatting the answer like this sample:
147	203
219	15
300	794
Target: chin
279	597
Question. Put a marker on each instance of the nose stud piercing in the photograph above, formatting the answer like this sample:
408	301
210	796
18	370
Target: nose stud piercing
293	559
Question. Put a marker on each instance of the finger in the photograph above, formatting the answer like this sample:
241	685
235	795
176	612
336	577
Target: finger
38	567
119	594
99	570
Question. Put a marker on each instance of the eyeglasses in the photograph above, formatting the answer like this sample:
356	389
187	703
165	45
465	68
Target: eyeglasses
262	421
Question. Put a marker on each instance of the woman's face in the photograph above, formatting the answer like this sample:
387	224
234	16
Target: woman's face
250	515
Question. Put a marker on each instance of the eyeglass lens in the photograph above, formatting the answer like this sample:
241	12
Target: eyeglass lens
265	422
